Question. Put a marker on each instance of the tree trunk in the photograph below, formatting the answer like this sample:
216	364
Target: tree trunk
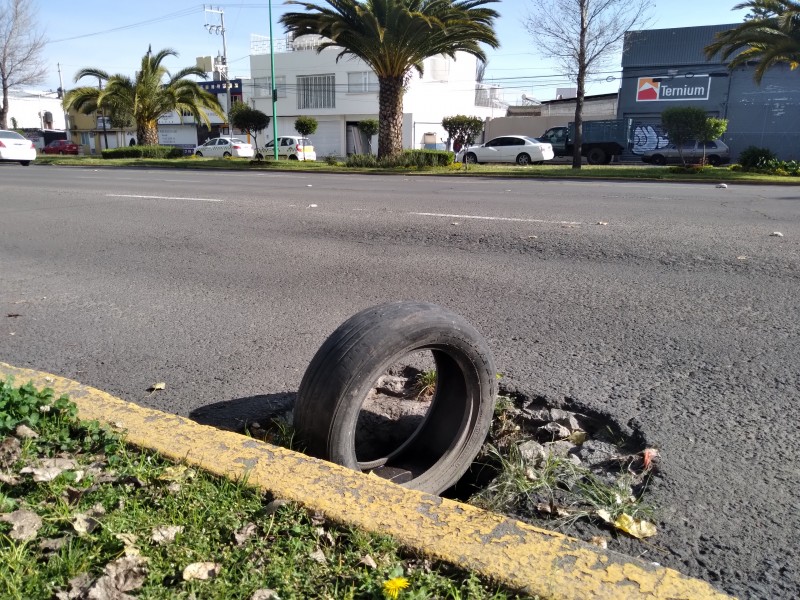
147	134
4	108
577	157
390	116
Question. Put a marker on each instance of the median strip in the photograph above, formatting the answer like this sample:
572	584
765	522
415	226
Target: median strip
518	555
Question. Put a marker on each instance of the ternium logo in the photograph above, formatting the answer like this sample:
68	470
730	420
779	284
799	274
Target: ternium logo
651	89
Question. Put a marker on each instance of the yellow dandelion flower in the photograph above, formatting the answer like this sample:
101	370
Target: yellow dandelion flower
392	587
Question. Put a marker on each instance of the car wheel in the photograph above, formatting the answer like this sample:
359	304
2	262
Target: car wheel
345	369
226	154
293	157
596	156
714	160
24	163
659	159
470	158
523	159
198	154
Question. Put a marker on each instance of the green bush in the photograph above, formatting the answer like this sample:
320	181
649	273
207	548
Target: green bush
144	152
332	160
754	158
362	160
735	167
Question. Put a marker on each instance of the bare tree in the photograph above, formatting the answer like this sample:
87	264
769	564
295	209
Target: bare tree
21	46
583	36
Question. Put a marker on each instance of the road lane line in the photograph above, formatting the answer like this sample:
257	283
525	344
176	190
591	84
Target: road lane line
162	197
514	219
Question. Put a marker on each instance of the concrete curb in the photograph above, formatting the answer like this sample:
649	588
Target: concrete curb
518	555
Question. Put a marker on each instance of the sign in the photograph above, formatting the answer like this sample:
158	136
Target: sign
679	87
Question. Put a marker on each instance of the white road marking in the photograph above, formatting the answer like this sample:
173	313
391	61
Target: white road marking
514	219
162	197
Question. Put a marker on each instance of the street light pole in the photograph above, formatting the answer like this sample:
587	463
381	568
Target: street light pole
274	88
224	70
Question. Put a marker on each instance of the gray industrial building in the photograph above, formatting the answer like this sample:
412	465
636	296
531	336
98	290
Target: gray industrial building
662	68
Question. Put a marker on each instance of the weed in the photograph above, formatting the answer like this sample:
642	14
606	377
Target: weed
425	384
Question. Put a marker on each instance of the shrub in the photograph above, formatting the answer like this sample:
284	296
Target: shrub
735	167
362	160
332	160
305	126
754	158
144	152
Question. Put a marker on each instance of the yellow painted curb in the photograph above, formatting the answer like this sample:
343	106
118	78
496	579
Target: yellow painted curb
510	552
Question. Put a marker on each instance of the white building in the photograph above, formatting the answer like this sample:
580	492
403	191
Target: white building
35	110
340	94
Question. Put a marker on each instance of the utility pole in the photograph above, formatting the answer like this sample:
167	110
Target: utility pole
61	96
220	30
274	88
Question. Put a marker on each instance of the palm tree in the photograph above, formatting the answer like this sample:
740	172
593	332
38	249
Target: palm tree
394	36
145	98
771	37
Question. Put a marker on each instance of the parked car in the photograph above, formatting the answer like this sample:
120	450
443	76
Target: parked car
292	147
16	148
519	149
716	153
61	147
225	146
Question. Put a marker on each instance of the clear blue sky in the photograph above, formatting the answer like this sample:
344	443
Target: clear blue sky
80	36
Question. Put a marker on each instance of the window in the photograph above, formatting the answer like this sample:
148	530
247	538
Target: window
263	86
316	91
361	82
85	138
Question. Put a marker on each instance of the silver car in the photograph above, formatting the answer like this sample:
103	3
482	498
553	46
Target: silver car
716	153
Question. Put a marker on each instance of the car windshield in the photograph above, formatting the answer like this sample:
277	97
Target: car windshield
534	140
237	141
11	135
304	141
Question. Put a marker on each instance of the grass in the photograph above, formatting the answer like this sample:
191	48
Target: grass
552	487
128	521
425	385
549	171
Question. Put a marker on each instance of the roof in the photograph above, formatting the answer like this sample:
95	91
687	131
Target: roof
671	47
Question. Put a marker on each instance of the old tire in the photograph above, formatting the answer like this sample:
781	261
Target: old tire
523	159
345	368
596	156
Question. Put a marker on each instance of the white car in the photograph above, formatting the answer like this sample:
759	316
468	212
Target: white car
519	149
16	148
292	147
225	147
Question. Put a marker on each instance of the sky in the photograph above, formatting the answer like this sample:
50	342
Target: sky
114	35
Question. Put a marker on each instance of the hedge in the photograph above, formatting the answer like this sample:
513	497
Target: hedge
144	152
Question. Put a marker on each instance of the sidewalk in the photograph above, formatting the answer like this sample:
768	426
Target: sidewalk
513	553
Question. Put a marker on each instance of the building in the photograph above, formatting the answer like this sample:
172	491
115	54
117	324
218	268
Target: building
35	110
662	68
341	93
537	117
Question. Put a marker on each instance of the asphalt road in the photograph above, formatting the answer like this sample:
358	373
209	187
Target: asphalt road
678	316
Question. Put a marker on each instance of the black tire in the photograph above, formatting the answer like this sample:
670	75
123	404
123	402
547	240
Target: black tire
200	154
470	158
24	163
596	156
293	157
346	367
259	156
714	160
523	159
659	159
226	154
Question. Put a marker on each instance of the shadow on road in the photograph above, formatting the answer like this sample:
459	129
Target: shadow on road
234	415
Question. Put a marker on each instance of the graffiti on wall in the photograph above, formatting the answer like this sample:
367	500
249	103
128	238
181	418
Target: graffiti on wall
648	137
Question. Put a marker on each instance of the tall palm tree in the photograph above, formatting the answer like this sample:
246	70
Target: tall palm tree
153	92
772	36
393	37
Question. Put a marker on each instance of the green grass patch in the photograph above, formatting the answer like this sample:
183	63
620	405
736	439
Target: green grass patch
547	171
82	511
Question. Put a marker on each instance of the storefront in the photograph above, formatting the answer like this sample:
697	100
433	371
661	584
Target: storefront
662	68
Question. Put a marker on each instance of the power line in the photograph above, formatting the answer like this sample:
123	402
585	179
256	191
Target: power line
176	15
